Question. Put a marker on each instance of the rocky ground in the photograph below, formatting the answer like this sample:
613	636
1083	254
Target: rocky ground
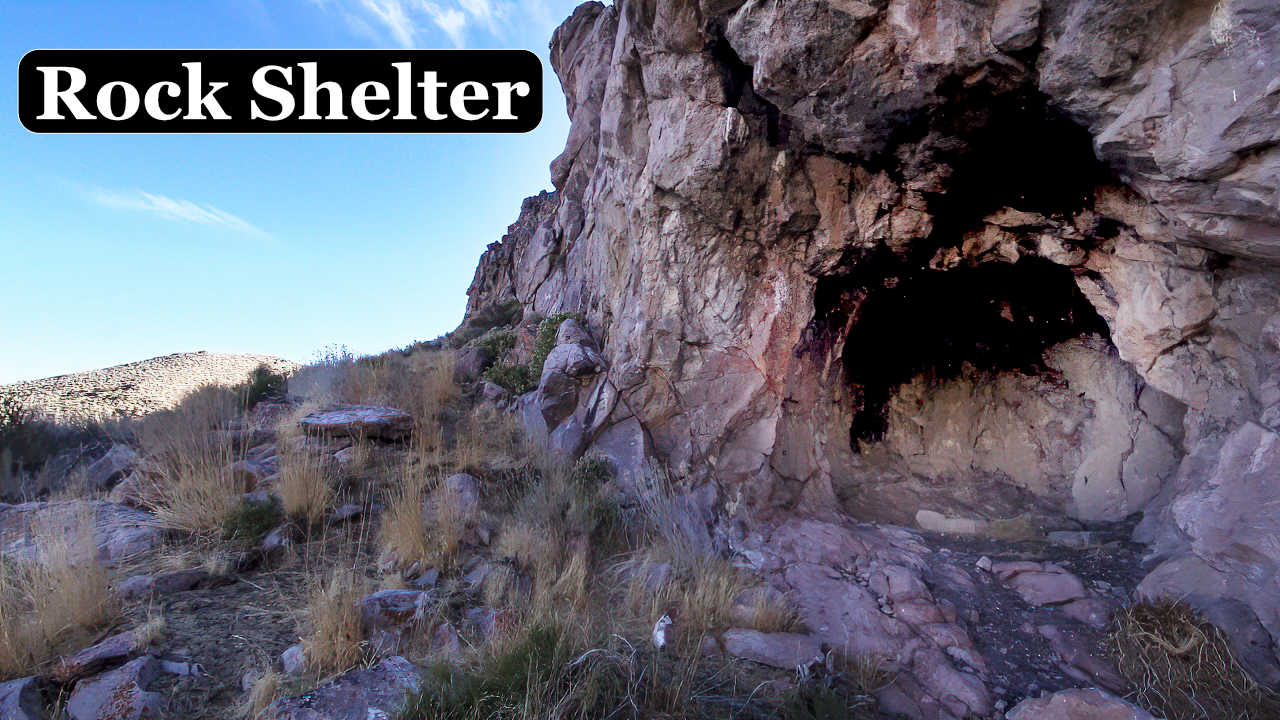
136	388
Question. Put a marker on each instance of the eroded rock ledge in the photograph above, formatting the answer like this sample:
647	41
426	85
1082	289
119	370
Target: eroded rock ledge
1011	264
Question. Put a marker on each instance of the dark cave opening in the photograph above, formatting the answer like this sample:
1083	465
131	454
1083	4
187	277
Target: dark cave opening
905	319
995	317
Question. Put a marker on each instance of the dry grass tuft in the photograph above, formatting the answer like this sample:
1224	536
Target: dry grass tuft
55	604
334	642
193	494
269	686
409	535
305	487
1182	666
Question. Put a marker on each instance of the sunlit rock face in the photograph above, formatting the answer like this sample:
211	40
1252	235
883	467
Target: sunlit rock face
1008	261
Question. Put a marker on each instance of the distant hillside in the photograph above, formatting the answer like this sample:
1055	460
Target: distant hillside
137	388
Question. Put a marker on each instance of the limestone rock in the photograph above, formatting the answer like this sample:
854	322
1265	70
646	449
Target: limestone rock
781	650
20	700
359	421
120	694
1041	583
1090	704
118	533
92	660
119	461
379	691
388	615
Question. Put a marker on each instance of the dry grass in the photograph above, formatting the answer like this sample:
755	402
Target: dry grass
54	605
305	487
409	535
334	642
1182	666
193	494
418	382
269	686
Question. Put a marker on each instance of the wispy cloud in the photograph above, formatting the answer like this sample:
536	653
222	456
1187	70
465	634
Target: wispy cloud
171	209
414	23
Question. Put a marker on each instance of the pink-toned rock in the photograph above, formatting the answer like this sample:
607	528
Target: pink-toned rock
1082	660
1094	612
119	533
120	694
20	700
359	421
388	616
113	467
378	692
138	587
1041	583
92	660
293	661
1090	704
781	650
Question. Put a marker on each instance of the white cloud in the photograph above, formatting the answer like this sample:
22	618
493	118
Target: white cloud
171	209
418	23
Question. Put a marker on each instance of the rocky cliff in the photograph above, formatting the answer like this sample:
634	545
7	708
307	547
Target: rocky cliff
1007	263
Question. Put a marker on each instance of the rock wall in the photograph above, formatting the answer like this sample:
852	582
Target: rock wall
760	204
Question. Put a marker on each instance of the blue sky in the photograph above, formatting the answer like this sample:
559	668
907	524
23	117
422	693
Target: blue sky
116	248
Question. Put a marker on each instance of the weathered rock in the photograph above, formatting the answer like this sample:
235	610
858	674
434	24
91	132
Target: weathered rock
118	533
280	538
388	616
457	495
293	661
1081	661
472	363
120	694
378	692
1090	704
1094	612
359	421
119	461
92	660
1041	583
345	513
937	522
781	650
20	700
138	587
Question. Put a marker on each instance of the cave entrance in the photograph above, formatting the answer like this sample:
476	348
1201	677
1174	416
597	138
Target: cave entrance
995	317
907	317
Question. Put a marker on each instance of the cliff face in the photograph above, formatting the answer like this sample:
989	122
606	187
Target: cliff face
1008	261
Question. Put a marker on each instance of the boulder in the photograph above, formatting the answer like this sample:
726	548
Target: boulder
120	694
21	700
781	650
1089	704
115	650
472	362
458	495
119	533
293	661
139	587
1041	583
937	522
378	692
1082	660
113	467
359	421
389	616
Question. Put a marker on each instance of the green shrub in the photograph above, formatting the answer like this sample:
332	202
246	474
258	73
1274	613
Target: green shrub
546	340
545	674
251	520
516	379
590	472
499	343
263	384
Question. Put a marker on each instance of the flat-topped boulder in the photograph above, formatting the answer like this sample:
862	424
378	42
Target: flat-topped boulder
359	421
380	691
